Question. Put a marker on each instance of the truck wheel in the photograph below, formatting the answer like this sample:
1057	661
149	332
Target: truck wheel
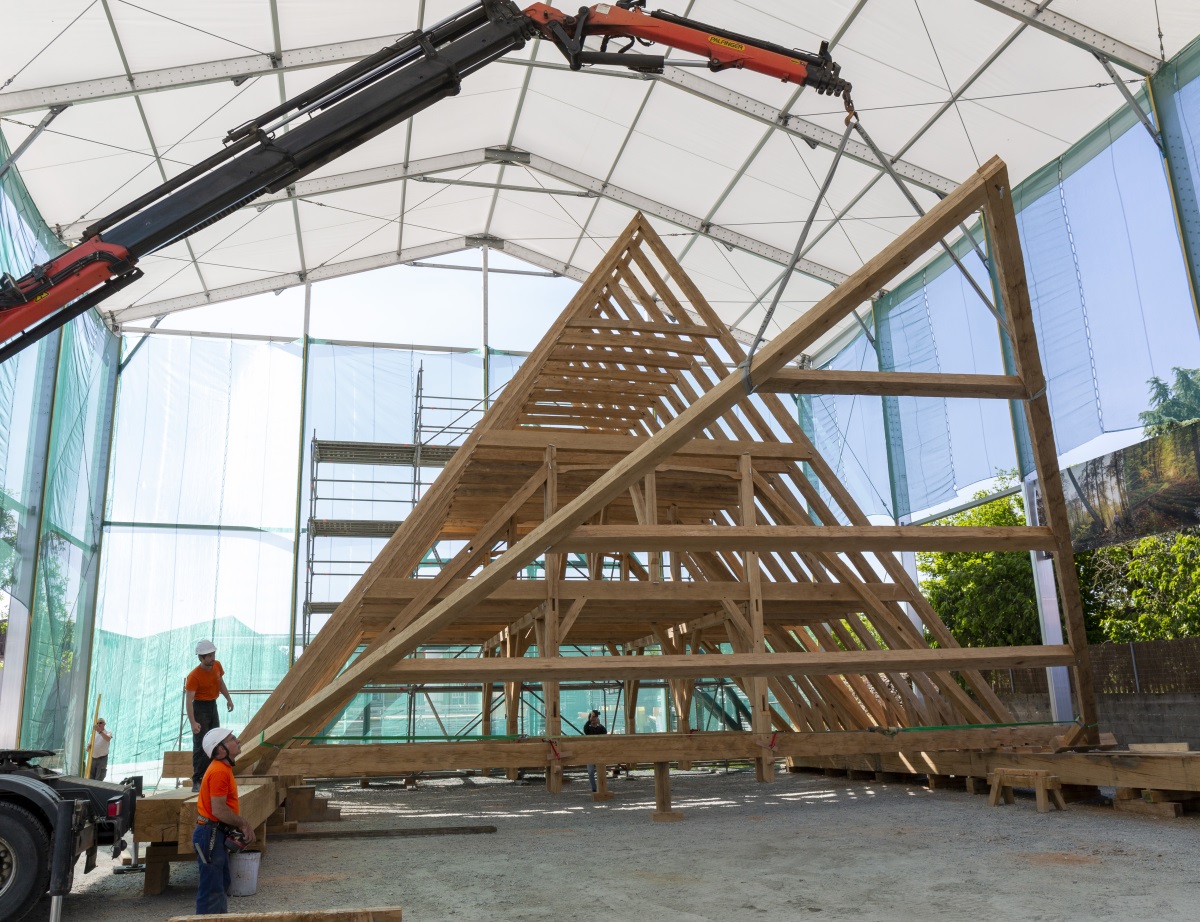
24	861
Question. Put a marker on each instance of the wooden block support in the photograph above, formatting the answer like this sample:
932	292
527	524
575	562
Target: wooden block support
662	795
945	783
1046	787
299	803
156	877
323	811
379	914
976	785
602	792
1143	808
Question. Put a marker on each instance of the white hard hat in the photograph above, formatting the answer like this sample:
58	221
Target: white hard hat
213	738
204	647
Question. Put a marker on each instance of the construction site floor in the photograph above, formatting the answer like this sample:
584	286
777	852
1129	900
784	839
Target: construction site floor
807	846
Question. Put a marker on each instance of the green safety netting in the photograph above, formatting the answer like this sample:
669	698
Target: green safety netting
56	402
68	554
200	532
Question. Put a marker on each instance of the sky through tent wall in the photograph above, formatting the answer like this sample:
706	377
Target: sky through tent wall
1112	305
199	540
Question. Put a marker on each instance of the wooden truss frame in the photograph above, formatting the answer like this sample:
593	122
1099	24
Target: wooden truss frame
628	436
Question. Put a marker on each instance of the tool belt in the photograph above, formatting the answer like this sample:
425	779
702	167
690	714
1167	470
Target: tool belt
235	841
223	827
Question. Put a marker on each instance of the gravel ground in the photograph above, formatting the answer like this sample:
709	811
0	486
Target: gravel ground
807	846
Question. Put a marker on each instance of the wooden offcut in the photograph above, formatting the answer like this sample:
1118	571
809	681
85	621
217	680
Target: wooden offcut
707	522
379	914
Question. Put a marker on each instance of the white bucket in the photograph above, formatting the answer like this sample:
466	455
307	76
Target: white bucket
243	869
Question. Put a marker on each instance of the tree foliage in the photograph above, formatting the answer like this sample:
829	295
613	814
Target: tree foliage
1143	590
1172	405
986	598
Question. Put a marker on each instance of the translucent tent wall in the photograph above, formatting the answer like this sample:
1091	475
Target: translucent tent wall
207	489
1112	295
56	405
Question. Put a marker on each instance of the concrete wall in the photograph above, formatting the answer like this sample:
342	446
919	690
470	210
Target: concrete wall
1165	718
1169	718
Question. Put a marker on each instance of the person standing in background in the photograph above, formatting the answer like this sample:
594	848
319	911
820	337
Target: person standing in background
200	692
100	740
593	727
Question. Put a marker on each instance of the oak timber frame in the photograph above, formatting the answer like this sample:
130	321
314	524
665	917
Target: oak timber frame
629	432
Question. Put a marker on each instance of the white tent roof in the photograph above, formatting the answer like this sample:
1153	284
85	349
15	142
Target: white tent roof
940	84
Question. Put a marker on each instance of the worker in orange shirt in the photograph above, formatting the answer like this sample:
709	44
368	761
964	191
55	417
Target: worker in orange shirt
220	827
200	692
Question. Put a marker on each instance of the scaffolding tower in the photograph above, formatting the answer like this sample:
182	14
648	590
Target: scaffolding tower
439	426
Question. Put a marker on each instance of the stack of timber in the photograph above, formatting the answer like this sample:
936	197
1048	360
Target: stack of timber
708	522
164	823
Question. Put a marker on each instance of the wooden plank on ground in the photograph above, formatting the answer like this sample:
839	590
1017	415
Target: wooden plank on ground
379	914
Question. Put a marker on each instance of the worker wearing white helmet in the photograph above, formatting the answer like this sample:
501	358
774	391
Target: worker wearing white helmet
220	827
200	692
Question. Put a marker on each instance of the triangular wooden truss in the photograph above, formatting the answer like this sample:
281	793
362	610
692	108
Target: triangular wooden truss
706	518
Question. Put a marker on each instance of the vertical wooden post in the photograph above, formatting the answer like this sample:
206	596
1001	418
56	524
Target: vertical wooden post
548	642
757	686
650	497
630	691
662	795
485	715
676	560
602	792
1014	288
512	699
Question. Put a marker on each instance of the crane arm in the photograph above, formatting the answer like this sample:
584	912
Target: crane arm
348	109
724	49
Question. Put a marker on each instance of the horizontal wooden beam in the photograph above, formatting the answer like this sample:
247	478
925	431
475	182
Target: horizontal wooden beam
601	590
641	326
375	759
569	668
1116	769
796	538
624	444
893	384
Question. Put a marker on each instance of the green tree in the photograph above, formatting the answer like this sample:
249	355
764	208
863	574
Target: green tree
1144	590
1172	405
986	598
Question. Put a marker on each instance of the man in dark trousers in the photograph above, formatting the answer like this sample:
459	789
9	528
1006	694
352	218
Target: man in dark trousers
200	692
218	819
593	727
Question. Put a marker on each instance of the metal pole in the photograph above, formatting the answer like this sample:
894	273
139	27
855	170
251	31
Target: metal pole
300	472
1129	100
25	145
1049	614
487	360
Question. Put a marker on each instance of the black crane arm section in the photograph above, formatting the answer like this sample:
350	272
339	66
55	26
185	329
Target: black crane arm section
351	107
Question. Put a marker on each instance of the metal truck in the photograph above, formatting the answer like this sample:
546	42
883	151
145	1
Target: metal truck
34	827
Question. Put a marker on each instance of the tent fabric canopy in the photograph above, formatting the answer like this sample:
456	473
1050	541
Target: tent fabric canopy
718	162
